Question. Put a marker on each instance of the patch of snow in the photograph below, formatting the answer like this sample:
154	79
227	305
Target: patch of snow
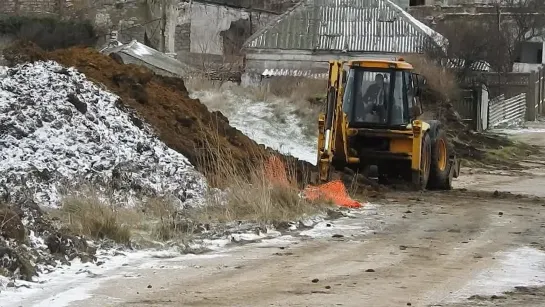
524	266
74	283
258	121
57	130
521	130
68	283
353	224
278	241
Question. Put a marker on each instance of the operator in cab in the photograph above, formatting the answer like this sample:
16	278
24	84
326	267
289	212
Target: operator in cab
374	101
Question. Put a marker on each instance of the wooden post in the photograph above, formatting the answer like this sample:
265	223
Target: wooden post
531	96
537	92
542	96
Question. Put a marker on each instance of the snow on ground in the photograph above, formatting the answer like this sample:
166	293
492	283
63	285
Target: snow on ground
352	225
57	128
521	267
69	284
514	131
74	283
257	120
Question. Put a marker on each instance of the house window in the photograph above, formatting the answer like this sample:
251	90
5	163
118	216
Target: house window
540	56
417	2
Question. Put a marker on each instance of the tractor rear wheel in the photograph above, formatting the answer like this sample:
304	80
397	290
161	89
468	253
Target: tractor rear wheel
421	177
440	175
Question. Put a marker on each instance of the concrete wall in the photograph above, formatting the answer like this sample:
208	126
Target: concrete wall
207	22
105	14
29	6
525	67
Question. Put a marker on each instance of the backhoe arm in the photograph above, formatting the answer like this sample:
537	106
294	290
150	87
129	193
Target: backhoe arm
328	122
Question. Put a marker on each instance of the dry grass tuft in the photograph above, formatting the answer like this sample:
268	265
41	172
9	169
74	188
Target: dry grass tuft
252	194
88	216
92	214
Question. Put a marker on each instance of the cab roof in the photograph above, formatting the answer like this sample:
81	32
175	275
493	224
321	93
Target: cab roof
372	63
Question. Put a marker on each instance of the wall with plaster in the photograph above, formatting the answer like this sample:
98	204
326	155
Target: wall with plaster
207	22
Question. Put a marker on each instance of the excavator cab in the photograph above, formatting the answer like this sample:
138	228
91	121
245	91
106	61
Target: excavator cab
371	122
380	97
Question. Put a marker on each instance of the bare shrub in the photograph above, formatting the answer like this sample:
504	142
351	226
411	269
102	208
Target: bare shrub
296	88
441	80
200	83
167	221
250	194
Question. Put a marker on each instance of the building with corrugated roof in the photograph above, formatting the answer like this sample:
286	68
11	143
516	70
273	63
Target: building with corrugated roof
302	40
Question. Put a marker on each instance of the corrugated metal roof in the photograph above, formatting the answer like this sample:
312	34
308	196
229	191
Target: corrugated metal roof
475	66
151	56
345	25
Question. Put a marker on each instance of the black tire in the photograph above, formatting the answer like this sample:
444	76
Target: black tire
420	178
440	174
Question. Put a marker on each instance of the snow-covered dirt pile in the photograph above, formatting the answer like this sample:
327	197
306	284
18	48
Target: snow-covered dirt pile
59	130
276	127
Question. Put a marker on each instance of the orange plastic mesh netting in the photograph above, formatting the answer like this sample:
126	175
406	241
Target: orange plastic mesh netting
275	171
335	191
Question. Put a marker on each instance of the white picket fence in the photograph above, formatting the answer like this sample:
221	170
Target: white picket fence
503	111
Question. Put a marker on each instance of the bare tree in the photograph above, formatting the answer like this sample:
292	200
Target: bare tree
517	21
495	38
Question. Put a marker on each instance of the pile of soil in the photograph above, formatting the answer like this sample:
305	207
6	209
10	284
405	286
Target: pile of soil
476	147
27	249
184	124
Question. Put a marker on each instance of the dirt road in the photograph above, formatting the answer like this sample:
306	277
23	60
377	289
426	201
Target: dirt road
530	181
458	248
420	254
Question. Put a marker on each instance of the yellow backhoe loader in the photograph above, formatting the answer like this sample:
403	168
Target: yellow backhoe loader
371	127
